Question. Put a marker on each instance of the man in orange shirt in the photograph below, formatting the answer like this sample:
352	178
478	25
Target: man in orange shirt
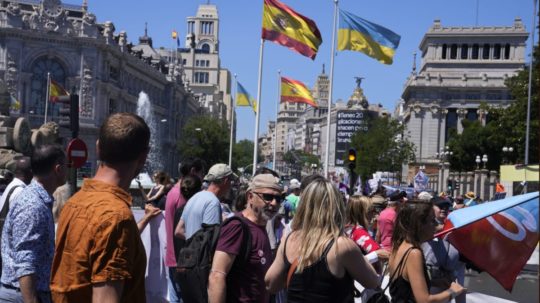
99	253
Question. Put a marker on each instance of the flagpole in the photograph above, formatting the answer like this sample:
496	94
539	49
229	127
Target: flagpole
327	155
257	112
533	30
48	96
275	125
232	122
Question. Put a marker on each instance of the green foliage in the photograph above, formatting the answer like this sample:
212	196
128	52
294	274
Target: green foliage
243	155
381	148
301	157
207	138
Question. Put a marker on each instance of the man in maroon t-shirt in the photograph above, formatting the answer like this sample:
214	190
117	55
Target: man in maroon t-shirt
243	281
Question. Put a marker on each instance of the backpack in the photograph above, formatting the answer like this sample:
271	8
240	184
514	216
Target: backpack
195	259
3	215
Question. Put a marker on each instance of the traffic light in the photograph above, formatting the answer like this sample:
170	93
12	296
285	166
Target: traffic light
352	159
69	113
450	184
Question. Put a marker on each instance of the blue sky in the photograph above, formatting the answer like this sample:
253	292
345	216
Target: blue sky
240	32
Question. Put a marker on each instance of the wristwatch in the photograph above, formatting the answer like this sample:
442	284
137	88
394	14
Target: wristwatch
452	294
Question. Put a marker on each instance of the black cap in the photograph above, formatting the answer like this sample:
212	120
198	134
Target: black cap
397	195
441	202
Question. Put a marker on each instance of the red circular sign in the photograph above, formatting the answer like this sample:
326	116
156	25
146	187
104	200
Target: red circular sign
77	153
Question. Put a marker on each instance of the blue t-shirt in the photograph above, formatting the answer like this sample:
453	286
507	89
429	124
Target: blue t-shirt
203	207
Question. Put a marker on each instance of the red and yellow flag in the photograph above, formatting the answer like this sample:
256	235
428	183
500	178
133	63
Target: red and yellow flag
296	91
56	90
284	26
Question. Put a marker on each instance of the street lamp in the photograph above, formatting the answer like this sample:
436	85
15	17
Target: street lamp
507	151
485	159
478	162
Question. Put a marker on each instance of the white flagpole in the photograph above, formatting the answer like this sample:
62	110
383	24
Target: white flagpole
327	155
48	97
533	30
274	140
232	121
258	111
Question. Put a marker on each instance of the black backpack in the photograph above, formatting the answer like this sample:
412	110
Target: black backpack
195	259
3	215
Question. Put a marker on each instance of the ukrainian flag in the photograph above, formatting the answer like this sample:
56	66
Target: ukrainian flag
243	98
360	35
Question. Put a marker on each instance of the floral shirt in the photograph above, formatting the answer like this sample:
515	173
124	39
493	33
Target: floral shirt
28	238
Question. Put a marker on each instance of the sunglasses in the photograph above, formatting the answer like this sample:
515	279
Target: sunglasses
268	198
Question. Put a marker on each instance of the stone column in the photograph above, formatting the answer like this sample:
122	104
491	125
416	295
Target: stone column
440	179
469	183
484	185
446	174
476	184
461	113
492	177
451	176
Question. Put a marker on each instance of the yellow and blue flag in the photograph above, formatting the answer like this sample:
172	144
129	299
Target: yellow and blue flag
357	34
243	98
15	105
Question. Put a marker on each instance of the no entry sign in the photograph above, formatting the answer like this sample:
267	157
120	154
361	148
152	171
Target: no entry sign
77	153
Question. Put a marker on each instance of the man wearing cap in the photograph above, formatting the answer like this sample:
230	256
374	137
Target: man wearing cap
387	217
204	207
233	279
442	259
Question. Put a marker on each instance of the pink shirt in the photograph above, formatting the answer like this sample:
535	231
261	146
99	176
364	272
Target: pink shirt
174	201
386	227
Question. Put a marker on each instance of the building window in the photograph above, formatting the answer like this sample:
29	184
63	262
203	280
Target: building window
38	85
451	124
191	27
472	114
497	51
475	51
507	51
184	61
485	52
201	77
464	51
453	51
444	49
205	48
112	106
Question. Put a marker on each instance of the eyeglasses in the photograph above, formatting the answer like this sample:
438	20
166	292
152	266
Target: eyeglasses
268	198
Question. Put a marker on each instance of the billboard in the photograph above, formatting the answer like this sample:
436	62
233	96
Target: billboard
347	123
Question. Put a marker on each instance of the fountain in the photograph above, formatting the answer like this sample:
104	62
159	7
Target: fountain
144	109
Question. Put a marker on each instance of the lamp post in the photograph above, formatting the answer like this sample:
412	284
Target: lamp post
478	160
507	151
484	160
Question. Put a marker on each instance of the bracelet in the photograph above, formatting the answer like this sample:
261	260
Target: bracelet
452	293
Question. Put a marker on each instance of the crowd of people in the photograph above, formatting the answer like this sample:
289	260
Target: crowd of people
297	243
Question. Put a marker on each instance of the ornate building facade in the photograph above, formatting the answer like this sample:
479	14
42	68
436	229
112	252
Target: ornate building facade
461	68
41	38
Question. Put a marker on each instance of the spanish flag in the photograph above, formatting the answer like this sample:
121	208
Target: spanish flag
174	35
55	91
286	27
243	98
15	104
360	35
296	91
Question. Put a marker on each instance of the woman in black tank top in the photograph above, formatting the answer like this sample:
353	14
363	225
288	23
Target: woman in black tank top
317	262
409	281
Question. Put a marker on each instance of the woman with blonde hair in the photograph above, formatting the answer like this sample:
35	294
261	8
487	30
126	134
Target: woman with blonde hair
358	217
317	262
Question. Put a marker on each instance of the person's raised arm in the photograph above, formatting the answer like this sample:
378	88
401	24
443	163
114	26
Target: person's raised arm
217	281
414	267
107	292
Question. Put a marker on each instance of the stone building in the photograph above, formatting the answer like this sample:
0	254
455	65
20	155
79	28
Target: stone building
89	58
461	68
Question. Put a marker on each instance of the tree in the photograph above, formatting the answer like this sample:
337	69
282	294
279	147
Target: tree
207	138
243	155
381	148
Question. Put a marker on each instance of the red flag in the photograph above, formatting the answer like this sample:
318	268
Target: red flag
502	241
